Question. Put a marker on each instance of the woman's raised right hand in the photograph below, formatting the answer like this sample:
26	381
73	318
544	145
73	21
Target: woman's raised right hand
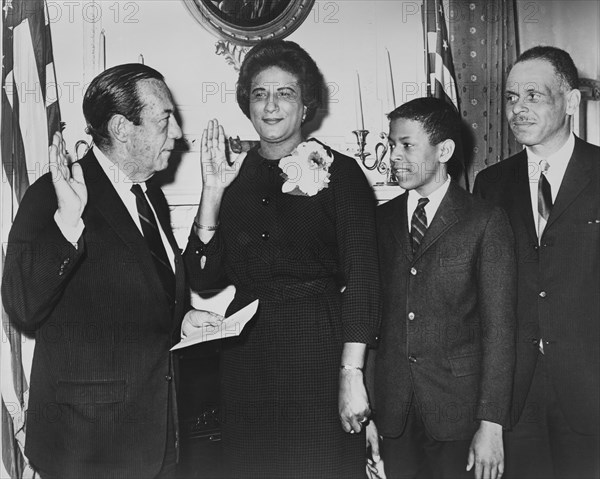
217	172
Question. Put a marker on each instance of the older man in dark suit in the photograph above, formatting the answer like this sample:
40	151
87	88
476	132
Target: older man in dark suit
551	192
101	281
444	365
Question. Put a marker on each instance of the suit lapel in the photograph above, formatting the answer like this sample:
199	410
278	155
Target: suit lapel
104	198
397	222
160	205
576	179
443	220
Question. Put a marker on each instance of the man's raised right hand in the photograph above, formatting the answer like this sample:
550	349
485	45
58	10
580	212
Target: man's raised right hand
69	185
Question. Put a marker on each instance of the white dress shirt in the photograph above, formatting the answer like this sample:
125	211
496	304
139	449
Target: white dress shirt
557	162
431	208
122	185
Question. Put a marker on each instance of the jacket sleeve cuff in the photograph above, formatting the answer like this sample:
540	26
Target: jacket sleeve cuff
493	412
199	248
359	333
71	233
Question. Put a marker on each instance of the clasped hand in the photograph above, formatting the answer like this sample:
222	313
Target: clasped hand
353	401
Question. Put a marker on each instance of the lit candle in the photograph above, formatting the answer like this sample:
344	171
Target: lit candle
102	53
391	78
360	105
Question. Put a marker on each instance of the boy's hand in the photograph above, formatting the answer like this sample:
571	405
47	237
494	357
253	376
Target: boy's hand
375	468
487	452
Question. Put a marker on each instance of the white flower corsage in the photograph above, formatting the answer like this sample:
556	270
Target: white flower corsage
306	169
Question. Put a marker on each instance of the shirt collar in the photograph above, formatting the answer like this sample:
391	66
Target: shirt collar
435	197
557	161
435	200
117	177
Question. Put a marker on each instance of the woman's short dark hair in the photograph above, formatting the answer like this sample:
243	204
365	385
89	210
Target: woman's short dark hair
114	92
560	60
290	57
439	119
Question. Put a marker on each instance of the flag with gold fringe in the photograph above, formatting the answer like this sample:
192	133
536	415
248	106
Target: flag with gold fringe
30	116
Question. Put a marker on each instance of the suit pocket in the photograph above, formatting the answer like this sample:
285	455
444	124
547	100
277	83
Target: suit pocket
456	253
587	226
90	392
465	365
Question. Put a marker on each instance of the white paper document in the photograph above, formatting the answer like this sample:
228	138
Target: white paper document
229	327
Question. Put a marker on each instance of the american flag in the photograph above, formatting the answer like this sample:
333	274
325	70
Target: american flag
30	116
441	81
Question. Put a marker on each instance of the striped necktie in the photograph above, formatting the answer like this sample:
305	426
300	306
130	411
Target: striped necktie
418	225
544	198
155	244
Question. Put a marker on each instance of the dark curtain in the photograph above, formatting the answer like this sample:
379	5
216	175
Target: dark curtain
484	46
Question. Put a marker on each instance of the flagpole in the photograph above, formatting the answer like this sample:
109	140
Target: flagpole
425	43
54	70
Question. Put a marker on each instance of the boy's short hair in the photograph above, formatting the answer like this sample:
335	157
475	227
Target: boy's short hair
439	119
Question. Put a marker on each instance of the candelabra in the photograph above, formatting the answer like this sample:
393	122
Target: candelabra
381	150
361	141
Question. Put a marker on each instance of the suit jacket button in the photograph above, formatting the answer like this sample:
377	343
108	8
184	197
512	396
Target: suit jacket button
411	316
413	271
265	235
168	378
542	294
412	359
265	200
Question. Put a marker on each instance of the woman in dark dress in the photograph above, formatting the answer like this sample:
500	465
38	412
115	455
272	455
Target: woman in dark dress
293	393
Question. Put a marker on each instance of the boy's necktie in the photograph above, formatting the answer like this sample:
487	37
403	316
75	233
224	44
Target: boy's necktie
418	225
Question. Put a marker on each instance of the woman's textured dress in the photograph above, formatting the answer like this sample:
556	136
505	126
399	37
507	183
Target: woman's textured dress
279	379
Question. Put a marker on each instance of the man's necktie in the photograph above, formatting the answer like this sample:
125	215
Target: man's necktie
544	198
418	225
155	244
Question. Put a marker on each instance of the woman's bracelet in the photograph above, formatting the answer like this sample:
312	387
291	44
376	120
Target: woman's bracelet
349	366
206	227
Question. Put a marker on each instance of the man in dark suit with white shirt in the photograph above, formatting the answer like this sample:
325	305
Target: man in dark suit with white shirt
92	266
551	192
